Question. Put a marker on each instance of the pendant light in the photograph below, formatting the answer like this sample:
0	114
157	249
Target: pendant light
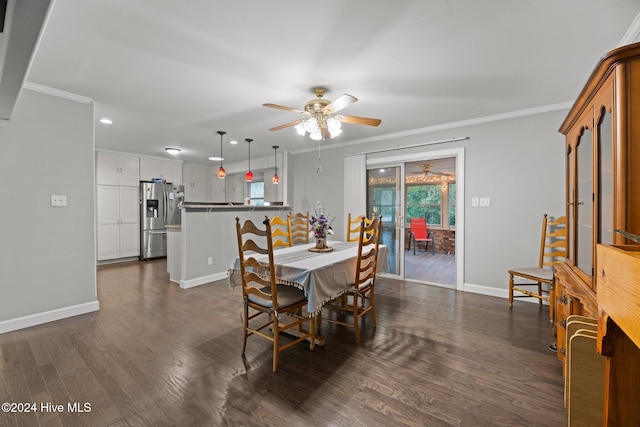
276	178
249	175
221	172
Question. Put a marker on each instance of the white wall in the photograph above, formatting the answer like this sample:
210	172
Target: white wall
517	162
47	255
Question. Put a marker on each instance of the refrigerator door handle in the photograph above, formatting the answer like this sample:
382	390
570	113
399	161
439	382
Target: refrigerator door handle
166	205
156	231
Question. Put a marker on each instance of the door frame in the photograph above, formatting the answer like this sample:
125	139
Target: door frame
399	161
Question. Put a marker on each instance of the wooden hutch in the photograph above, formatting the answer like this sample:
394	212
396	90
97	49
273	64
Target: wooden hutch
597	280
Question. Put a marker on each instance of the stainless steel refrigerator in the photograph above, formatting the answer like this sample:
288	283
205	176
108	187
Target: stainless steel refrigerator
158	207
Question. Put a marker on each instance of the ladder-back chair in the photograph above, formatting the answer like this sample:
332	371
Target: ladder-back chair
280	304
299	226
553	250
363	289
280	232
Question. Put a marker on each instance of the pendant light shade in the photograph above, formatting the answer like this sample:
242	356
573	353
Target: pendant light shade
221	172
249	175
276	178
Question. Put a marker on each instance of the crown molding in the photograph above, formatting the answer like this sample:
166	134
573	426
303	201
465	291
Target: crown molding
56	92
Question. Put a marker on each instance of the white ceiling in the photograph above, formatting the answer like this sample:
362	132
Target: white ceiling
172	73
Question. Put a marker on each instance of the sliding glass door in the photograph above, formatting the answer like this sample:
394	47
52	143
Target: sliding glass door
384	197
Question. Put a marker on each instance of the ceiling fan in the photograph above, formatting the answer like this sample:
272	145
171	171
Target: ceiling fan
320	119
427	169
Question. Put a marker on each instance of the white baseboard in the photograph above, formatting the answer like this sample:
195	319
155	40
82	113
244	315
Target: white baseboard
47	316
497	292
186	284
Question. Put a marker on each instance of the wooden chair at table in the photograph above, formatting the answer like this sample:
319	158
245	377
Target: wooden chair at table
363	288
353	226
280	232
420	233
553	250
299	226
282	304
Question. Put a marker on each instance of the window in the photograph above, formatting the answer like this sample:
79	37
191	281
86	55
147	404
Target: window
256	193
435	202
425	201
452	203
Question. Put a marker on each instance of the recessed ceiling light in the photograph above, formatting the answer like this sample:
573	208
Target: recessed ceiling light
106	121
233	142
216	159
172	151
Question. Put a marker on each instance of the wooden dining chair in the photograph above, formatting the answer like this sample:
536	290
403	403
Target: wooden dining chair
263	296
363	288
420	234
280	232
553	250
353	226
299	227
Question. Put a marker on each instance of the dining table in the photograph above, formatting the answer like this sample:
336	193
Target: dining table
322	275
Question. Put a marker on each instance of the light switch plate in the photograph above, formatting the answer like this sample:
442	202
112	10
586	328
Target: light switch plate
474	202
485	201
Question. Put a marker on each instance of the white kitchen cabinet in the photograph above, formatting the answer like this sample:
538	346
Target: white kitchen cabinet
194	179
117	169
151	168
217	187
118	222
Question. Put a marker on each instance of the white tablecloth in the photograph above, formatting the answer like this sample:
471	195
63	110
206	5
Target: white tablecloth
322	276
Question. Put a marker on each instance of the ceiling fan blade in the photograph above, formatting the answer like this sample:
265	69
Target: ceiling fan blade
360	120
282	107
338	104
286	125
325	133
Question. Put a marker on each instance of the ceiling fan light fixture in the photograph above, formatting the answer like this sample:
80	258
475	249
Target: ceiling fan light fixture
335	132
300	129
316	135
333	124
311	125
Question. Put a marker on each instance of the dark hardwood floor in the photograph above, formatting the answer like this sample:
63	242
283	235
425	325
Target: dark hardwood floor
158	355
427	267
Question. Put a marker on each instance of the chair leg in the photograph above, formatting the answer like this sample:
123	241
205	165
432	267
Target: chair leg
276	341
246	325
552	296
356	319
373	307
312	331
511	290
540	292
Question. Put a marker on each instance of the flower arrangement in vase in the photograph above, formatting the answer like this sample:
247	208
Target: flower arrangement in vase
320	226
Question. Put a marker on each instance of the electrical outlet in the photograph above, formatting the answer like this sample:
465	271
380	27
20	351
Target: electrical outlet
209	260
485	201
58	200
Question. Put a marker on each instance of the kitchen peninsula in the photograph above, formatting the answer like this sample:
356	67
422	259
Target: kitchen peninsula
202	248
